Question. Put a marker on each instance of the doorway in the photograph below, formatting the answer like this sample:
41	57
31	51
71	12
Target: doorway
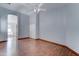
12	35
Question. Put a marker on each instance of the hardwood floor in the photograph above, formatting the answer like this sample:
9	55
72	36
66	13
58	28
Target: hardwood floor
2	48
31	47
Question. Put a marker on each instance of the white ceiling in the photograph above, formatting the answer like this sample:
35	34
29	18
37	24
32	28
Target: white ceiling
27	8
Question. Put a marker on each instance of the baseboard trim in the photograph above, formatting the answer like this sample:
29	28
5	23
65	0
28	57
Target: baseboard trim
51	42
24	38
18	39
3	41
77	54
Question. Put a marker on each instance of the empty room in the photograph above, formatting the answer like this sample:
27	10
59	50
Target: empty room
39	29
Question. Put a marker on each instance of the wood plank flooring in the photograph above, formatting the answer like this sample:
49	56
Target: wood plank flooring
31	47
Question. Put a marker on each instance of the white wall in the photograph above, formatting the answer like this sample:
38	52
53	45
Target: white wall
23	26
52	25
72	26
61	26
3	28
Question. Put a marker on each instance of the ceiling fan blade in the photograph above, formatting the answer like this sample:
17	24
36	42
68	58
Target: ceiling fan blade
29	13
42	9
40	5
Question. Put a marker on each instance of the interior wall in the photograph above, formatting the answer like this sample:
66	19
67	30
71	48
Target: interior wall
61	26
3	24
52	25
3	28
72	26
23	26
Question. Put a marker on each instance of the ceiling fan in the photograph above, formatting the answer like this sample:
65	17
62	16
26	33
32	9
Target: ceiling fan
38	8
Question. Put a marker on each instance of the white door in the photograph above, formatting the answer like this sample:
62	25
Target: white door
33	31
